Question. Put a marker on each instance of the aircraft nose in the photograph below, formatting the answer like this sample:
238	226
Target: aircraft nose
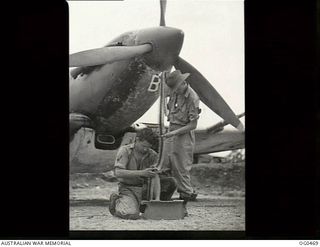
166	45
173	40
174	33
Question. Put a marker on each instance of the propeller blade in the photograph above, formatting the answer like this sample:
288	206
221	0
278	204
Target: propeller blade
163	4
219	126
208	95
75	72
107	55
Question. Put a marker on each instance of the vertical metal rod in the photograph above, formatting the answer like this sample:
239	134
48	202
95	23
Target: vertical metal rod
161	119
148	189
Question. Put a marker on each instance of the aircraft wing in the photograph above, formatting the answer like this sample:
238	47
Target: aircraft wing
213	140
218	141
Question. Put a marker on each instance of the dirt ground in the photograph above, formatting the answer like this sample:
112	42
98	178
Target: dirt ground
220	203
205	214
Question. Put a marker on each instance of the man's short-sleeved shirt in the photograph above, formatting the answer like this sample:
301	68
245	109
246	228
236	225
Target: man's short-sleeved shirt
126	160
183	108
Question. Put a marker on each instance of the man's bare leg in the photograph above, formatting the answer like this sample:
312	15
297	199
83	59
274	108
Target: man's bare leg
155	188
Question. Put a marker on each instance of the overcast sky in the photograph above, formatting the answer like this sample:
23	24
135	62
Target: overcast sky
213	41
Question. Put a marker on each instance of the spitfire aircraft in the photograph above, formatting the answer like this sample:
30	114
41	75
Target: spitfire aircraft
113	86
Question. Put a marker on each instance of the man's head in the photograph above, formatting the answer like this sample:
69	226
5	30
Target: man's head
146	139
176	81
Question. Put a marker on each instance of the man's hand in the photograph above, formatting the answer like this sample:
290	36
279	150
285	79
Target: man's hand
149	172
168	135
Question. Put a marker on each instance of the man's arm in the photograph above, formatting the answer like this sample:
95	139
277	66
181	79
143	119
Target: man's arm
190	126
122	173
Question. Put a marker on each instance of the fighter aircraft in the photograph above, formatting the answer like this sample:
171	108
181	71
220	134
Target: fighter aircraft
113	86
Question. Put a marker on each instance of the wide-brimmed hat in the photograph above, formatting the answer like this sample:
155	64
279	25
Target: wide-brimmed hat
175	78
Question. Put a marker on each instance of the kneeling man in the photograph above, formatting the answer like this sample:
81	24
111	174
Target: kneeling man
133	166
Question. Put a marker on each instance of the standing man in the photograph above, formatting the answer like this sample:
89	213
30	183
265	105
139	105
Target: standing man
134	164
183	116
